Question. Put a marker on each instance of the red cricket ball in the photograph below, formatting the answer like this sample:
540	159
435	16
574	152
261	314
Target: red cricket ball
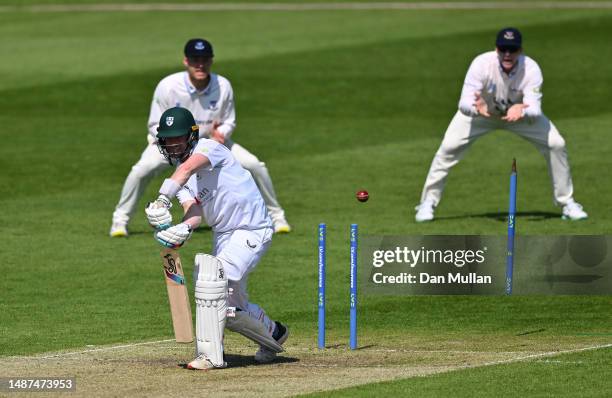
363	196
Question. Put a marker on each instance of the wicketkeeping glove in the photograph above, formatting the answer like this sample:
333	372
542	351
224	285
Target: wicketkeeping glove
175	236
158	213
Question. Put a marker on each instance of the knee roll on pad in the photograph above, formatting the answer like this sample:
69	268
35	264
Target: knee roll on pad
211	306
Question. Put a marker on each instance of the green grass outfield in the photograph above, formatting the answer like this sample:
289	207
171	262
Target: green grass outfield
293	2
553	375
333	102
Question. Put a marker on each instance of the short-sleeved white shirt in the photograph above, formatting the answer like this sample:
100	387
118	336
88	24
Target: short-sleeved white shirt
501	90
226	192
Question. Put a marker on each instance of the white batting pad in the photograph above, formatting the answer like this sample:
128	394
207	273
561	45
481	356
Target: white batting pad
211	307
254	324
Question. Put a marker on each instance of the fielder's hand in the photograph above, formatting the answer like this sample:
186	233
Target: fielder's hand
216	134
515	113
174	237
158	213
481	106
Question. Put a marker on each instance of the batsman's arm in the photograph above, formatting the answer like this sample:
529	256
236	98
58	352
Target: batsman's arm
172	185
193	214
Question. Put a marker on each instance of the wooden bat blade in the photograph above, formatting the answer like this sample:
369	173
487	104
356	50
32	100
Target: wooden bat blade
177	296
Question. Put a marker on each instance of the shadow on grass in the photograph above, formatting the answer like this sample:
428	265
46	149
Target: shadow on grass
584	279
346	346
503	217
241	361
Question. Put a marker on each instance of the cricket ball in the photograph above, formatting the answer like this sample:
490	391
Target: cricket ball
363	196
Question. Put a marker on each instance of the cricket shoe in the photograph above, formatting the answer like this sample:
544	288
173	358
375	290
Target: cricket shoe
118	230
573	211
281	227
425	211
265	355
203	363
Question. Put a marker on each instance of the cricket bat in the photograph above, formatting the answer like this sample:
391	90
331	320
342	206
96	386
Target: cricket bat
177	296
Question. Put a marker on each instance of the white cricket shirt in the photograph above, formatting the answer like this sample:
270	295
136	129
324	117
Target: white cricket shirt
501	90
227	192
213	104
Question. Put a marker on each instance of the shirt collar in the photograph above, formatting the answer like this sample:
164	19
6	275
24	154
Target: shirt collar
192	90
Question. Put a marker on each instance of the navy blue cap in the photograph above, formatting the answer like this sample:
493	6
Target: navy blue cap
198	48
509	37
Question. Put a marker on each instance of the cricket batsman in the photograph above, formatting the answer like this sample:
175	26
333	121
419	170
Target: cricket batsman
502	90
212	186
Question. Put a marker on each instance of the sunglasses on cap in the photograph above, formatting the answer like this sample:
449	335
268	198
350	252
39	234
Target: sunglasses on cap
508	49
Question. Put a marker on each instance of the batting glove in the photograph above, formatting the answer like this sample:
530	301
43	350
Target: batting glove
158	213
175	236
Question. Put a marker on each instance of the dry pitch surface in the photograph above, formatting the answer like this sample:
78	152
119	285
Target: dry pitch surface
153	368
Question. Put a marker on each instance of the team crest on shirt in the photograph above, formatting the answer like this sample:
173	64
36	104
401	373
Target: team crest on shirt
169	120
509	35
213	105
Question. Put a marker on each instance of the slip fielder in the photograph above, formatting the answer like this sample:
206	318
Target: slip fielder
502	90
211	185
210	99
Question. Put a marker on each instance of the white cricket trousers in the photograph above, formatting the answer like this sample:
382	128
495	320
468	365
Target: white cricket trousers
239	251
152	162
464	130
